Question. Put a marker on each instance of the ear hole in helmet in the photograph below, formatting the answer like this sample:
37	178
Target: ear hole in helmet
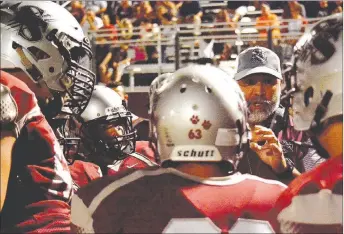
324	48
182	88
208	90
37	53
308	96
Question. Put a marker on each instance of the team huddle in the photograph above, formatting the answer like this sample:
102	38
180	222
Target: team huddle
217	159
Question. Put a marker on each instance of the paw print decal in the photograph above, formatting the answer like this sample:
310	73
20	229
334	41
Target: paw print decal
206	124
194	119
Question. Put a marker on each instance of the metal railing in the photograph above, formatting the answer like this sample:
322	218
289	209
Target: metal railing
179	41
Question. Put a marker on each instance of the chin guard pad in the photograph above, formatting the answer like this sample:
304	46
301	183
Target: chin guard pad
9	109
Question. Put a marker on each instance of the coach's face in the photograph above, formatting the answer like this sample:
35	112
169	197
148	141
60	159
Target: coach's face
262	93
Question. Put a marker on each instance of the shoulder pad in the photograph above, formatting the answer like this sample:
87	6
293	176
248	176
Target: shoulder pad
9	109
143	158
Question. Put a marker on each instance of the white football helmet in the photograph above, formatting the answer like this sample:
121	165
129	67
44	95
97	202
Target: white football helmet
319	78
106	129
200	115
155	85
45	41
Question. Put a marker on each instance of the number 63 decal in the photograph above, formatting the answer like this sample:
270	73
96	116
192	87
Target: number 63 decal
195	134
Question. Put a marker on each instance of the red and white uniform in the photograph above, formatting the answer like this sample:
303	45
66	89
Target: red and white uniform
143	147
166	200
40	184
133	161
313	203
83	173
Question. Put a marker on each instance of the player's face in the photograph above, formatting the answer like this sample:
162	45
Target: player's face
262	93
112	131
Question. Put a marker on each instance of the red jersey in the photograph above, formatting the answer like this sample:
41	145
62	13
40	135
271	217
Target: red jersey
83	172
166	200
313	203
143	147
134	160
40	185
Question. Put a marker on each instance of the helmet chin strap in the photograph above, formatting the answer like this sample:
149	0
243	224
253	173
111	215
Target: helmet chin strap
30	68
153	144
317	146
316	127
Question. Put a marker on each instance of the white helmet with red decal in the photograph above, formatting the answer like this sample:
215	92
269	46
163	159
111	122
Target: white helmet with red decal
200	115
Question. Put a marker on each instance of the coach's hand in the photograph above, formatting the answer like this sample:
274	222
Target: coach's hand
268	148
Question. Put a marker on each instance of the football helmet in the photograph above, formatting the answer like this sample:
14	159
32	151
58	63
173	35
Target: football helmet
106	129
200	115
45	41
319	78
155	85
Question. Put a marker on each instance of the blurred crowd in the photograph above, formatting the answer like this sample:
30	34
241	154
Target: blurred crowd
119	23
256	150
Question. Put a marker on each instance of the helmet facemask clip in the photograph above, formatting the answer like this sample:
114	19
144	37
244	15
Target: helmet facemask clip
78	80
